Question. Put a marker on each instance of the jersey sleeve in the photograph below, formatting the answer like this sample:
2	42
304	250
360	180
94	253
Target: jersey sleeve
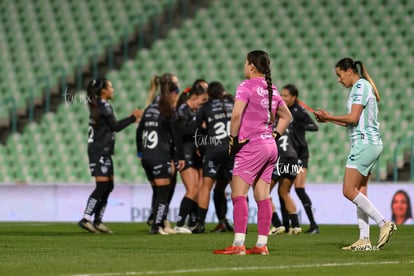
138	137
306	121
115	125
242	92
360	94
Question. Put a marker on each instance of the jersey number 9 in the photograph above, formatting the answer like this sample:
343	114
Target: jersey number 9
150	139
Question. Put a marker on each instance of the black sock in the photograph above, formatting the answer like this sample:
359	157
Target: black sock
161	203
95	199
153	207
294	219
172	187
275	220
107	188
201	215
220	203
193	214
185	209
307	204
283	211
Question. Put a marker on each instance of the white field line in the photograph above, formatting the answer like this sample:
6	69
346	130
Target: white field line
252	268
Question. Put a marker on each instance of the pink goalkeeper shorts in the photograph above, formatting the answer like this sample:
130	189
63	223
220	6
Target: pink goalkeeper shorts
256	160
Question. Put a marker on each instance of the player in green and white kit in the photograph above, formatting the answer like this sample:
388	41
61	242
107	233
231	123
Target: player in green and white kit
366	148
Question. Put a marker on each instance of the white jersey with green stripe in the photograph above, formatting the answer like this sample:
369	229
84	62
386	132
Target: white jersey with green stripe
366	131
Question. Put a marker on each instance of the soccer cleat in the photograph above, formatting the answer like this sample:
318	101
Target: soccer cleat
277	230
385	233
168	229
232	250
102	228
312	230
220	228
199	229
359	245
159	231
182	230
258	250
295	231
88	226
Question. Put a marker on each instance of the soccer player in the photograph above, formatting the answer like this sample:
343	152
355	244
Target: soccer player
156	139
254	150
366	148
216	115
101	143
286	169
302	122
187	126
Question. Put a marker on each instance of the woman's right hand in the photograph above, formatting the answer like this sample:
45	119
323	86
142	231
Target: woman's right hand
137	114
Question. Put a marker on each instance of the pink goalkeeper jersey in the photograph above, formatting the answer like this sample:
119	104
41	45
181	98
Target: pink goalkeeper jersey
255	118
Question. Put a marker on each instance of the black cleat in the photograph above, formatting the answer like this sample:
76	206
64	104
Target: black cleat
313	230
199	229
220	228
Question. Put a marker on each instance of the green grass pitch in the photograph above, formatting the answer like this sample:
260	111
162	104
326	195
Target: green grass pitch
64	249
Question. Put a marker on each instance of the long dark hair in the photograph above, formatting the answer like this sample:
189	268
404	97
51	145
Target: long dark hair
293	90
348	63
196	89
260	59
167	86
216	90
94	90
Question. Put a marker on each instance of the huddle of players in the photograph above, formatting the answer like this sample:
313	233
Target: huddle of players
191	132
187	133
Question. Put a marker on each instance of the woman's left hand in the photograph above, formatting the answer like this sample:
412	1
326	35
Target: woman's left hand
321	115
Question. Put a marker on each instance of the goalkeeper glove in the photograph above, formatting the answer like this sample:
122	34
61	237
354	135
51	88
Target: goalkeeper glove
235	145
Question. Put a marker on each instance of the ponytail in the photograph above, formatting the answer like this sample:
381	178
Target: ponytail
260	59
94	92
365	75
268	78
167	86
153	88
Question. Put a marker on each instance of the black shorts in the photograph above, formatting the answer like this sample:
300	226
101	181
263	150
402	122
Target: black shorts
303	163
303	156
217	165
191	158
286	168
157	169
101	165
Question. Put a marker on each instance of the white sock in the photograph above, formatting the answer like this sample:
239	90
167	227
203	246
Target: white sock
239	239
261	241
366	205
363	224
87	217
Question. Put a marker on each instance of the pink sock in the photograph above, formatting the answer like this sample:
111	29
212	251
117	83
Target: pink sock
264	217
240	214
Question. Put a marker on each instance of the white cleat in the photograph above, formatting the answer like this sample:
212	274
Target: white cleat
277	230
359	245
385	233
182	230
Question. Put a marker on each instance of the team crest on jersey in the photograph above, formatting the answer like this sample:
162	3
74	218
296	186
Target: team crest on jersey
104	169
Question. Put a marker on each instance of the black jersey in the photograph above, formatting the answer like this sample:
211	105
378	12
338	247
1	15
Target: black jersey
186	123
302	122
216	113
286	146
155	135
101	132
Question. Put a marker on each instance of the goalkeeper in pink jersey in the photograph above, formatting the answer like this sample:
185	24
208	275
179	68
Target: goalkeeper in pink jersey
253	147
